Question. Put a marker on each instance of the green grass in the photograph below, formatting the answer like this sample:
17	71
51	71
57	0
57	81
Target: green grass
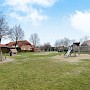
38	72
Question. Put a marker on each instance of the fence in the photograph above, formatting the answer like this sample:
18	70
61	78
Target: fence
77	49
84	48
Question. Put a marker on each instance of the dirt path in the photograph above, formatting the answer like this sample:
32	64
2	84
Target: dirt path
6	60
44	53
59	58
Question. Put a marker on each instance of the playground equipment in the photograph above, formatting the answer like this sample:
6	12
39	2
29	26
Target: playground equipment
68	52
2	57
72	49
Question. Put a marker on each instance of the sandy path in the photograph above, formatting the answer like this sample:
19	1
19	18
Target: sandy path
44	53
71	59
6	60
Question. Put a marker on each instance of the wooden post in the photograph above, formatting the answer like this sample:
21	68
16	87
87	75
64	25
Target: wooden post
78	50
0	54
5	55
74	50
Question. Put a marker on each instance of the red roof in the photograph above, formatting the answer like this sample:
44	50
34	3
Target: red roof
2	45
19	43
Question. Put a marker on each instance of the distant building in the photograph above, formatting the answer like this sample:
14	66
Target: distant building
23	45
86	43
85	46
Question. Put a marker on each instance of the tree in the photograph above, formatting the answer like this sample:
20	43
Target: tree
34	38
46	47
16	33
85	38
3	26
59	43
64	42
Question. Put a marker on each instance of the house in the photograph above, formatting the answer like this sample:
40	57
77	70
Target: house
2	45
86	43
5	49
23	45
85	46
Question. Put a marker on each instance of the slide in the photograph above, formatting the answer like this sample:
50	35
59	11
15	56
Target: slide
68	52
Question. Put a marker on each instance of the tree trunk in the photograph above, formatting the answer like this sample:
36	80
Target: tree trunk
0	50
0	40
16	42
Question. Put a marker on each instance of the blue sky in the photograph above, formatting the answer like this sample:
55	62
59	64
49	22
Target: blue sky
50	19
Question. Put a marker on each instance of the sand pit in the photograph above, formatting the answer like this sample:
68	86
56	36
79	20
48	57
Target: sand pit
44	53
72	59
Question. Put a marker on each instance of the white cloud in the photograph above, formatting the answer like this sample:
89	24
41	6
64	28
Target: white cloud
16	16
35	18
43	3
28	8
81	21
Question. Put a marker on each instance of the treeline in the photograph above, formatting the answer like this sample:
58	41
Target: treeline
16	33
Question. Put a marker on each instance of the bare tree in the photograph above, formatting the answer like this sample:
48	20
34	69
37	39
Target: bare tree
85	38
46	47
58	43
3	29
3	26
34	38
16	33
64	42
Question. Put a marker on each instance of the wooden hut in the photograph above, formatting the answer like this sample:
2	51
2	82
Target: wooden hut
13	52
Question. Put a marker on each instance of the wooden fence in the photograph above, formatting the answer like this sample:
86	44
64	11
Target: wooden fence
84	48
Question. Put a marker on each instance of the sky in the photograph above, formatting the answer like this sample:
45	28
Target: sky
50	19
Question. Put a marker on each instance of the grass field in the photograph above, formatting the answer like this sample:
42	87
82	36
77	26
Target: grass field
33	71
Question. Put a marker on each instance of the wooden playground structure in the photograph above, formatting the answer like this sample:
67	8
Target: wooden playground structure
73	49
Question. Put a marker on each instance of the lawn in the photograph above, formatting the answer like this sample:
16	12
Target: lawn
33	71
